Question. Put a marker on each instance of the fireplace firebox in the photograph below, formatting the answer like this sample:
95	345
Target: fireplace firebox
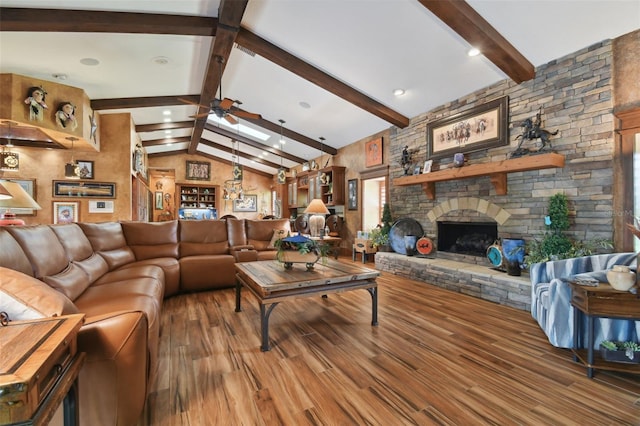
468	238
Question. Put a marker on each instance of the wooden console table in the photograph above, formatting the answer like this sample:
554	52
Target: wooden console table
496	170
600	302
39	366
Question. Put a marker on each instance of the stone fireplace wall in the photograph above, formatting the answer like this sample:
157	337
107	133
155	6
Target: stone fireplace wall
575	94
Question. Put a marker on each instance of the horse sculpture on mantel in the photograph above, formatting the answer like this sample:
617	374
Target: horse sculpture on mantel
531	131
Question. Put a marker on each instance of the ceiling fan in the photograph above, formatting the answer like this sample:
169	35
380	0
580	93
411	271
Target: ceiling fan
224	107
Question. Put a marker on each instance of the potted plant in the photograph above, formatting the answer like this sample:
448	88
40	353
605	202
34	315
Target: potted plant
628	352
380	235
555	244
300	249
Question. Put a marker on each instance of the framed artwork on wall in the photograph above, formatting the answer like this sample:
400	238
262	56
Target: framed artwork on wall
427	166
158	197
249	203
352	192
86	169
373	153
65	211
482	127
65	188
198	170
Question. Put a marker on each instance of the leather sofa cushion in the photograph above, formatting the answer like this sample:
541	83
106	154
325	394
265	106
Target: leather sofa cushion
207	272
198	237
108	240
71	282
75	243
236	232
43	249
171	269
151	240
12	254
260	232
23	297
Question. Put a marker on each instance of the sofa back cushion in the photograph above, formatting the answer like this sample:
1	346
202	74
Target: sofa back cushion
79	250
200	237
42	247
260	232
23	297
236	232
152	240
12	256
108	240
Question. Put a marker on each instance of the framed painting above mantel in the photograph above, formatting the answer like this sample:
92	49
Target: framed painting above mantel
482	127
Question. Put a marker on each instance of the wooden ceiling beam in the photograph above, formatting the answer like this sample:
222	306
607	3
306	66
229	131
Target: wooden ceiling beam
166	141
142	128
92	21
472	27
144	102
310	73
230	14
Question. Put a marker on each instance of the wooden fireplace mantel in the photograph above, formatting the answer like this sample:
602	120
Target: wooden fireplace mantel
496	170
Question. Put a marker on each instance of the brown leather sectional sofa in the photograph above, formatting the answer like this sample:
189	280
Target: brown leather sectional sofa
118	274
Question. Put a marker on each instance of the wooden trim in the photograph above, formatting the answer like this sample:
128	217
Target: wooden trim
628	127
375	172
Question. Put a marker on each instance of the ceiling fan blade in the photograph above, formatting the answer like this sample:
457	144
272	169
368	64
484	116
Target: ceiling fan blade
231	119
246	114
188	102
204	114
226	103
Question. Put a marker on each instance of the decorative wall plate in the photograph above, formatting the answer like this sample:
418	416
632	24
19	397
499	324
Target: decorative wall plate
400	229
424	245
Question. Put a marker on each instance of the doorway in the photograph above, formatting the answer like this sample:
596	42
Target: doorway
374	195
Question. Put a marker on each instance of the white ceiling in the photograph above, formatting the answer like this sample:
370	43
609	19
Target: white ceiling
374	46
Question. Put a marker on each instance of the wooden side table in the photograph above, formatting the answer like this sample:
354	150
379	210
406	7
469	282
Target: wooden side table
601	301
39	367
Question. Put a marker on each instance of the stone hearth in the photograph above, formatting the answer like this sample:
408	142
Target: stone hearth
475	280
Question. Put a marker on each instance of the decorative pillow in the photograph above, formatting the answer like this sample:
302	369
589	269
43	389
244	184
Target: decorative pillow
277	235
23	297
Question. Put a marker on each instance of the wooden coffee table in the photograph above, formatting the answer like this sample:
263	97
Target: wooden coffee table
271	283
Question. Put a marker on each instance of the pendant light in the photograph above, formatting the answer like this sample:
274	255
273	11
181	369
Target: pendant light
9	160
282	172
72	170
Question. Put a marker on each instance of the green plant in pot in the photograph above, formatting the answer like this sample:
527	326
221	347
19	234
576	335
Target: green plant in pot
555	244
300	249
380	236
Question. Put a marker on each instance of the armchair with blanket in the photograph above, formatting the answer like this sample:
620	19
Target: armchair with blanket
551	299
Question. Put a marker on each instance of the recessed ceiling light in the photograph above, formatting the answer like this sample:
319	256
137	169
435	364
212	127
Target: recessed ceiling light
304	105
473	52
276	146
59	76
167	120
398	92
167	132
89	61
166	112
265	153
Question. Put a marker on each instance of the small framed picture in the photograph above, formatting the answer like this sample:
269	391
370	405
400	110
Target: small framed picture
427	166
65	211
417	169
86	169
352	192
158	196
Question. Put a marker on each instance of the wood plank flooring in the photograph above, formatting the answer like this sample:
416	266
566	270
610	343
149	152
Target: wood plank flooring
437	357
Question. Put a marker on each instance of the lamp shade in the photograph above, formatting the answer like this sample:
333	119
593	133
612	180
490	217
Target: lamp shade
20	198
4	193
317	210
316	206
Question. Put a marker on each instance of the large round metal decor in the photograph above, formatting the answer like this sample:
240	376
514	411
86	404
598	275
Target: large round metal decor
400	229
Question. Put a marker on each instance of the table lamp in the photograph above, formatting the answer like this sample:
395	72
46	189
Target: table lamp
20	199
316	211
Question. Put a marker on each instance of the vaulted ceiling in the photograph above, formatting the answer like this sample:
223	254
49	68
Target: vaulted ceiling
328	68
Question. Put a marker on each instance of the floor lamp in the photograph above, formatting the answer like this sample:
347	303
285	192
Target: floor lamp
20	199
316	211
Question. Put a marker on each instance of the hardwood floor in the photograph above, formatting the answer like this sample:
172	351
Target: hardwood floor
437	357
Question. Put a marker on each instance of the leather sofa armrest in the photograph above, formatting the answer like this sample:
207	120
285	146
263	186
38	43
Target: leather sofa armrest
245	253
115	375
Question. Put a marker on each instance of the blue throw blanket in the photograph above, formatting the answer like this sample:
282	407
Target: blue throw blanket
551	299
